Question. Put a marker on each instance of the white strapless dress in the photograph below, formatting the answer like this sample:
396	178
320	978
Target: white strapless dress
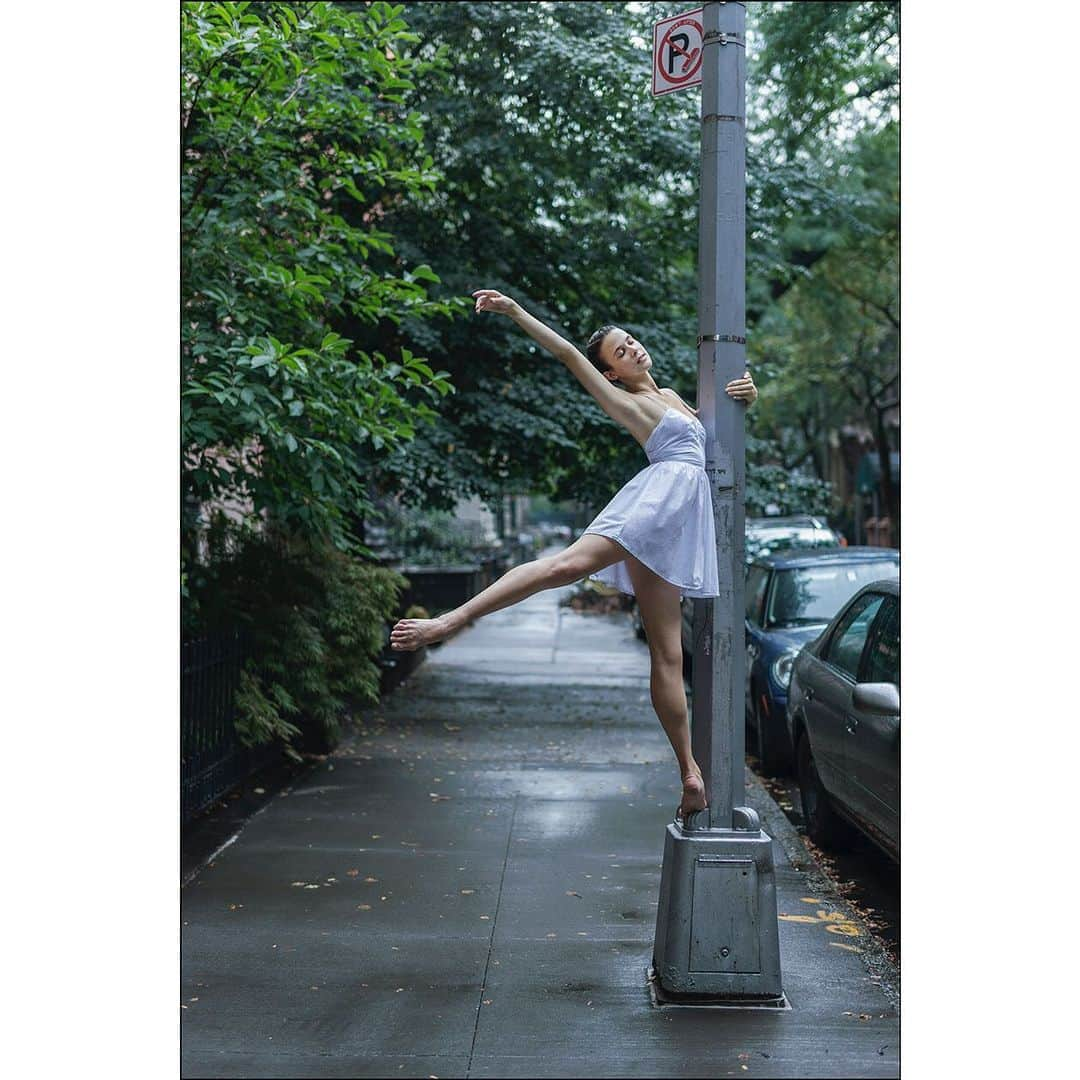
664	515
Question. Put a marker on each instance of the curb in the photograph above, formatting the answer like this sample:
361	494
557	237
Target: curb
775	822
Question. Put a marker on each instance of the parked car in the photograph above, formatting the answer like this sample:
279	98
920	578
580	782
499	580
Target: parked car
844	720
763	536
790	598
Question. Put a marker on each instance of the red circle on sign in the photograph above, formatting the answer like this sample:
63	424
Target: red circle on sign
663	42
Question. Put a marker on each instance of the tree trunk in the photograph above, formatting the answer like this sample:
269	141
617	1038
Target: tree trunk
889	493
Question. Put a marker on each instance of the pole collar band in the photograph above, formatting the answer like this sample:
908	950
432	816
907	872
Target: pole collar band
722	37
736	338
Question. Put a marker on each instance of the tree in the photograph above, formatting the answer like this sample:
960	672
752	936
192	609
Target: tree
825	346
294	143
830	345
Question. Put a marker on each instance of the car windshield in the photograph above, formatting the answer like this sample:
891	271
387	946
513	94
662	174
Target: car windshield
767	540
814	594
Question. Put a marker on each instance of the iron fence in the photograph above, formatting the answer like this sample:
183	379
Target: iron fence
212	759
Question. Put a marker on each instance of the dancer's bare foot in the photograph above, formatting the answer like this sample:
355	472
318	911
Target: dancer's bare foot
409	634
693	797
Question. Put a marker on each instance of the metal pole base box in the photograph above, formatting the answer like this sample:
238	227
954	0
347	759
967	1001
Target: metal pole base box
716	925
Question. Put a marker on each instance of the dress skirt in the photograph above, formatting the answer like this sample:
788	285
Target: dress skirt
664	518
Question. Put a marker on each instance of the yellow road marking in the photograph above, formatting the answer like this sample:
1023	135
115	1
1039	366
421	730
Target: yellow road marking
833	921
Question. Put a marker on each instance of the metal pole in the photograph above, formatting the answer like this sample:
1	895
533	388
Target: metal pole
719	673
717	935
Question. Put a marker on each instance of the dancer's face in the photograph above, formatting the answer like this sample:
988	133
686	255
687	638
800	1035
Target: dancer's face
626	355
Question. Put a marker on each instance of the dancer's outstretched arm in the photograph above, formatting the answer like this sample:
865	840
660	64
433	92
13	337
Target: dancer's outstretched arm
618	404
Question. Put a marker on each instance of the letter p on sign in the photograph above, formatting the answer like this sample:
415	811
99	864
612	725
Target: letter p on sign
677	52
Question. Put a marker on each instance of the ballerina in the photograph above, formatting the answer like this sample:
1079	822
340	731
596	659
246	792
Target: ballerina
654	540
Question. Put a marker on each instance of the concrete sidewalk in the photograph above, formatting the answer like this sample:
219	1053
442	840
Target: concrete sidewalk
468	888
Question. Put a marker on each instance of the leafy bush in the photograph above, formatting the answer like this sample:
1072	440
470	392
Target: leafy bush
316	621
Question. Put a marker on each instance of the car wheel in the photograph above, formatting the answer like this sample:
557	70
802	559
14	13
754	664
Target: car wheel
772	756
823	826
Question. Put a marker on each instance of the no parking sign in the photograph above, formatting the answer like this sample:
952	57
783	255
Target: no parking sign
677	52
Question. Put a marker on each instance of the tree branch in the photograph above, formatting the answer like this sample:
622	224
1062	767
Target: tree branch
856	295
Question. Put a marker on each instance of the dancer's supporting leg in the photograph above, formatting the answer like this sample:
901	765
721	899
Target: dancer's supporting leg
661	615
584	556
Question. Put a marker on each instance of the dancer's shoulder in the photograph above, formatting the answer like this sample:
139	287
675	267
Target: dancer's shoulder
671	393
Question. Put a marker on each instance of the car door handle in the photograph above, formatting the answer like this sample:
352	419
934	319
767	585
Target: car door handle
851	723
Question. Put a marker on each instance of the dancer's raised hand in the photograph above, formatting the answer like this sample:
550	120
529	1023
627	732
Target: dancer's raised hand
493	300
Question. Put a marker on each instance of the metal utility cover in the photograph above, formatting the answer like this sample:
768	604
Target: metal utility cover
723	927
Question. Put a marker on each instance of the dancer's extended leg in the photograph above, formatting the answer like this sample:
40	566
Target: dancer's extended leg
584	556
661	615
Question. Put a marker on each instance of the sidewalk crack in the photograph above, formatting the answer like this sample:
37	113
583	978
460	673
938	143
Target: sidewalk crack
491	939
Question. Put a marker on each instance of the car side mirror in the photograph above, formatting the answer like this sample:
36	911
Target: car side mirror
877	697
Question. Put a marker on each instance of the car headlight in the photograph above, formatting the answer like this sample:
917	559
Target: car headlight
782	665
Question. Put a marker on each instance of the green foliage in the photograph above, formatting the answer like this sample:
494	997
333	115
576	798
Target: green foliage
827	352
295	144
825	345
792	492
261	714
818	60
316	621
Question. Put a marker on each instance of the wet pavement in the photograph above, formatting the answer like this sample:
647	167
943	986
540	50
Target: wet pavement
468	888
